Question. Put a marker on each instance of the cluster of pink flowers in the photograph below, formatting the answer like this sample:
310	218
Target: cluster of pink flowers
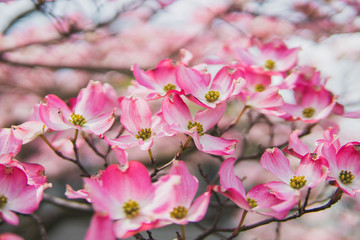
126	199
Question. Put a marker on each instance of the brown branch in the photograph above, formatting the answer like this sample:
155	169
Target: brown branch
68	204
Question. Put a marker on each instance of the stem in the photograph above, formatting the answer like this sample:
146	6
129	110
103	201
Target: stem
67	203
183	235
40	224
152	159
58	153
237	119
238	229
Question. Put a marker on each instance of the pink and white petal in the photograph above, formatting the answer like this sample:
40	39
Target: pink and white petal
8	142
10	236
91	100
188	186
125	228
29	130
287	59
210	117
328	151
101	227
28	201
131	183
199	207
235	196
122	142
103	200
136	114
225	80
192	81
282	190
164	74
296	146
9	217
228	179
145	145
146	79
313	168
284	207
176	113
214	145
121	155
269	98
79	194
275	162
55	114
348	158
353	114
100	124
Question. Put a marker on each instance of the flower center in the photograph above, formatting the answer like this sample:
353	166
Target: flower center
212	96
308	112
252	202
346	177
144	134
179	212
259	87
169	86
77	120
297	182
270	64
3	201
198	125
131	208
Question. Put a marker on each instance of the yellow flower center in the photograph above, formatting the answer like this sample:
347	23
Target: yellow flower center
198	125
346	177
179	212
77	120
169	86
144	134
252	202
308	112
212	96
3	201
131	208
297	182
259	87
270	64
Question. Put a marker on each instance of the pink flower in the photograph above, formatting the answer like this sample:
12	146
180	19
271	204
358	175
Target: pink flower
178	116
274	57
159	80
311	170
344	166
259	199
208	93
16	195
127	196
91	111
142	127
183	208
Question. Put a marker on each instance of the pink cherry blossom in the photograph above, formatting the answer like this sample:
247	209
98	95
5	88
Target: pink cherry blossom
259	199
183	208
16	195
178	116
127	196
90	111
206	91
159	80
344	166
311	171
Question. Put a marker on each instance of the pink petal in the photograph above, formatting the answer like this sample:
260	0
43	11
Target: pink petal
275	162
54	113
214	145
176	113
29	130
348	158
9	217
122	142
186	190
296	146
235	196
136	114
228	179
101	227
314	168
99	124
8	142
199	207
91	100
192	81
210	116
